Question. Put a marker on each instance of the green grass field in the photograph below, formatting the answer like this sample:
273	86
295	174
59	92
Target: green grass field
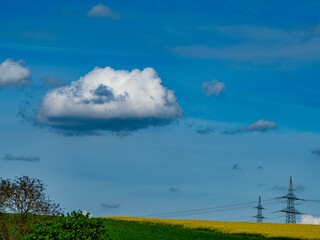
128	230
134	230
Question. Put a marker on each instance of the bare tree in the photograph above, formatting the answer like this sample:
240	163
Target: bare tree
23	199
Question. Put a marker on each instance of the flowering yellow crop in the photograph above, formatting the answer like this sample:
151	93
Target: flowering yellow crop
265	229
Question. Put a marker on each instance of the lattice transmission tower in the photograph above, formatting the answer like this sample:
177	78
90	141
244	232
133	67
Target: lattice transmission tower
259	208
290	210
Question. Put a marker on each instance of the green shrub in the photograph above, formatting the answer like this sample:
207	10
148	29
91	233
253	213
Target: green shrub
74	226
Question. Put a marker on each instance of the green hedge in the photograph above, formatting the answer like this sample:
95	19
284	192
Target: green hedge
74	226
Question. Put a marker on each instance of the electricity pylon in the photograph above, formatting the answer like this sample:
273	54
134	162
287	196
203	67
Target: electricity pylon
290	210
259	215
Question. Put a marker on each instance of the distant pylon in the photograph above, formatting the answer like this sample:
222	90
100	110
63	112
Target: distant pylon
290	210
259	215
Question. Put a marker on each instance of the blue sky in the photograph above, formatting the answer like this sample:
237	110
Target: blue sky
235	114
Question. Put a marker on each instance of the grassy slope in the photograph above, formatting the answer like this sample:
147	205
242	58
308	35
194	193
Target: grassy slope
128	230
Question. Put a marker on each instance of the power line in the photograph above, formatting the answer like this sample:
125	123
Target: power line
317	201
226	218
200	209
207	210
290	211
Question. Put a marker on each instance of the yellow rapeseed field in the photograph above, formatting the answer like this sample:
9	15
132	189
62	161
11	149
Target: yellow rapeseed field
265	229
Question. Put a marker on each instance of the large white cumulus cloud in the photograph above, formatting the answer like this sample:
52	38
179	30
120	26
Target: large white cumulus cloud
108	99
14	74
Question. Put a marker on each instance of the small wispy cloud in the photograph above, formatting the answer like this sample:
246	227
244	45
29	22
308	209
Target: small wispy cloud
258	126
52	82
279	188
23	111
316	151
236	167
110	205
213	88
14	74
258	44
174	189
296	187
205	130
10	157
299	187
102	11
